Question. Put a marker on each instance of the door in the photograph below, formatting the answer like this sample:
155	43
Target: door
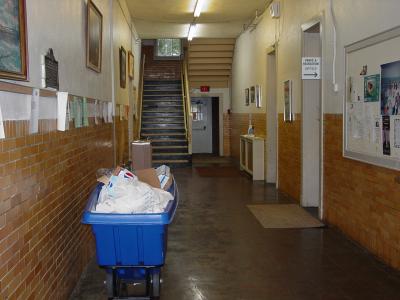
202	125
311	124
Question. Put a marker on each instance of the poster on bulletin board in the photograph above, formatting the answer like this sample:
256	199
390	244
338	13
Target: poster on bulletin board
372	100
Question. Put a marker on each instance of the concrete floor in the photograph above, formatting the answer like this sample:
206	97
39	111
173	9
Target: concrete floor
217	250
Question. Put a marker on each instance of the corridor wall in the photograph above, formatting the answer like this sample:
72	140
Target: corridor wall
354	198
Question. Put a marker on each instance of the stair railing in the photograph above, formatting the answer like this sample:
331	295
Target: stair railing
187	103
140	97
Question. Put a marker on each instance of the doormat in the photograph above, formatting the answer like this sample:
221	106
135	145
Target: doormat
283	216
218	171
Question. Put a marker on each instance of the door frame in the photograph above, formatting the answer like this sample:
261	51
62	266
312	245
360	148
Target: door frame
304	27
273	50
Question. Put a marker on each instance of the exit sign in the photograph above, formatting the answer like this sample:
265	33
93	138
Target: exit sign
204	88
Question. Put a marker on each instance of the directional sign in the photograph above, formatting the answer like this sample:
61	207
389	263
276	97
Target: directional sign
311	68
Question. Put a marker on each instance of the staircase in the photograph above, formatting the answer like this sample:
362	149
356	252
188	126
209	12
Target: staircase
163	122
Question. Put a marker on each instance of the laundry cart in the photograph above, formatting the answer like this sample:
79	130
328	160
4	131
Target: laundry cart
131	247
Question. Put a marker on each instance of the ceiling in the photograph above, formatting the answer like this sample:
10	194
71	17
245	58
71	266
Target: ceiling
171	18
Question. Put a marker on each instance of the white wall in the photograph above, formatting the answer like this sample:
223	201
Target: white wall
356	19
61	25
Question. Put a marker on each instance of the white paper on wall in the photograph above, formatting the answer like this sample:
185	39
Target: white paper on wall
96	112
62	100
396	132
34	118
105	112
2	134
110	112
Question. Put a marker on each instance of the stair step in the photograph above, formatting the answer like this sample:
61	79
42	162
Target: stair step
165	120
162	93
162	97
163	114
163	136
154	82
161	105
162	126
162	130
162	87
162	102
169	142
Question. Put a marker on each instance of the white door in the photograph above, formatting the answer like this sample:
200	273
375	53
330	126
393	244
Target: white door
202	125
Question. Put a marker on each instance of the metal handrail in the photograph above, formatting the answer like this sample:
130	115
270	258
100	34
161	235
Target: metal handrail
140	102
188	117
184	98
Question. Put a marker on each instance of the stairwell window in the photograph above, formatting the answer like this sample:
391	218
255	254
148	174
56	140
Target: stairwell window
169	49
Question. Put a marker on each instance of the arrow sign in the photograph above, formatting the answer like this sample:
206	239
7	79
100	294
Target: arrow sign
310	68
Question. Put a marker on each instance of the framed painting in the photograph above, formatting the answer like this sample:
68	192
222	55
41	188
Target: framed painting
252	94
122	67
287	96
130	64
13	49
247	97
94	37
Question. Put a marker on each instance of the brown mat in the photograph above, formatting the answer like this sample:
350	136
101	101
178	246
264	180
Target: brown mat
218	171
283	216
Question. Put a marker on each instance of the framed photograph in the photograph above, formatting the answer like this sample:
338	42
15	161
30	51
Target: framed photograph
258	96
94	37
287	94
252	94
122	67
131	60
13	49
247	97
372	88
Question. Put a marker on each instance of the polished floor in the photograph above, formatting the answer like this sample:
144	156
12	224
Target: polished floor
217	250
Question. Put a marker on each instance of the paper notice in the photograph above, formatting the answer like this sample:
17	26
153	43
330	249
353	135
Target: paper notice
105	111
396	122
85	113
78	112
96	112
34	120
109	112
62	100
2	134
376	137
121	112
356	117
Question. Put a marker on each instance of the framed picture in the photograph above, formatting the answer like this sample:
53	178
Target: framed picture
130	64
247	97
13	49
252	94
122	67
258	96
287	94
94	37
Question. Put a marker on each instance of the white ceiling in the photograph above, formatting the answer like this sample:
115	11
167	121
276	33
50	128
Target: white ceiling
171	18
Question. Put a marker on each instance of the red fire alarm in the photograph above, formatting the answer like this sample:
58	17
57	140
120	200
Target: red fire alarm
204	88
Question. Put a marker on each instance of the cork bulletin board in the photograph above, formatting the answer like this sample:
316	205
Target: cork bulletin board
371	122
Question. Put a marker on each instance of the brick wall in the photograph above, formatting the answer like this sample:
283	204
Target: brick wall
45	181
361	199
227	134
122	137
239	123
160	69
289	156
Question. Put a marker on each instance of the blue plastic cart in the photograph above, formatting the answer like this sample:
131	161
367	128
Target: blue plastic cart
131	247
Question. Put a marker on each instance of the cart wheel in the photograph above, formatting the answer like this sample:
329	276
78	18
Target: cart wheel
155	283
110	284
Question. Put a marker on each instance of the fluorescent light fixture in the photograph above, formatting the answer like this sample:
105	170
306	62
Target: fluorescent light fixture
199	6
192	31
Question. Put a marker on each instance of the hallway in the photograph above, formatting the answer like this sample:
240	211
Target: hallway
218	250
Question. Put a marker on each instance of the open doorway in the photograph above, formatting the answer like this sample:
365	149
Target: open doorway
205	126
311	121
272	127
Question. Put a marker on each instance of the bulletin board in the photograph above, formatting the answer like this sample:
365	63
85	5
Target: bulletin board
372	100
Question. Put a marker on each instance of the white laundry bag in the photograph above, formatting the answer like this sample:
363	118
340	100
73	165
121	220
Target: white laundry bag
129	196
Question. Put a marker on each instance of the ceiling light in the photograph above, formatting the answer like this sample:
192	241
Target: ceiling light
192	31
197	10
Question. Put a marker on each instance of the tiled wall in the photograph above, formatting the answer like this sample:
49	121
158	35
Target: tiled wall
45	180
361	199
239	123
289	156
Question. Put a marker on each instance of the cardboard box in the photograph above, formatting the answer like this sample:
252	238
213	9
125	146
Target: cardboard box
141	155
149	176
